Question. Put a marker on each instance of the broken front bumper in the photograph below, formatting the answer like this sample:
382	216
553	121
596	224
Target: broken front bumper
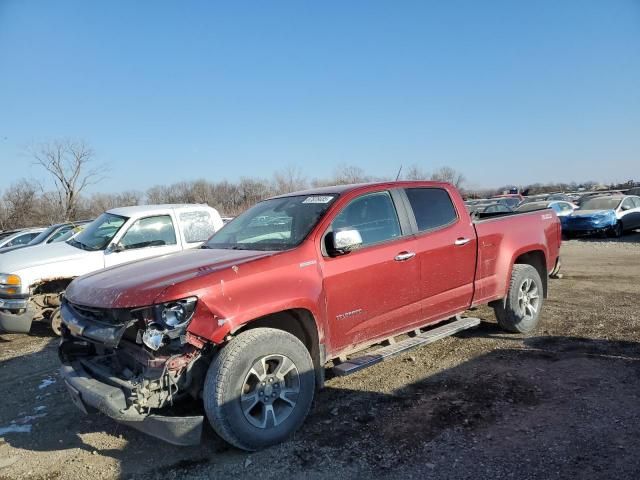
91	395
15	322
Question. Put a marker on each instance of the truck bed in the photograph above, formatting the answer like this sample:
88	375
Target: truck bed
499	236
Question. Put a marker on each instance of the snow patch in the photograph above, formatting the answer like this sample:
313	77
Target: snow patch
46	382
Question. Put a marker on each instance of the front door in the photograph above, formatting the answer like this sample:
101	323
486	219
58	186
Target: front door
372	291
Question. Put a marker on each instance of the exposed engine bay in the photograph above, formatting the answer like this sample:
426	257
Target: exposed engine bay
145	352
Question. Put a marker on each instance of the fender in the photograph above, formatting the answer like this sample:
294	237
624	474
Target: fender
235	297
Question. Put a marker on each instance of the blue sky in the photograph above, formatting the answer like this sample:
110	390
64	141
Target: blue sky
507	92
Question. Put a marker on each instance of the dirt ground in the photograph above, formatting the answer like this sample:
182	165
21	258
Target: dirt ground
563	402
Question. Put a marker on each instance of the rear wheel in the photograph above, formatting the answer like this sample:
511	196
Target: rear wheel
520	311
259	388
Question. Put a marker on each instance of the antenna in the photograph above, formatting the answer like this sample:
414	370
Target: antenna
399	171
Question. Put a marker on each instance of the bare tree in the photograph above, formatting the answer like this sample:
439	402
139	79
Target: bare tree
101	202
448	174
289	180
69	162
414	172
18	205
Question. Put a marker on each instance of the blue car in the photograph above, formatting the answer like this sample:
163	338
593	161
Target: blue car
604	215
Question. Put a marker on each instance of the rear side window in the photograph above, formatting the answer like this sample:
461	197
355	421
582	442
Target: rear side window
432	207
636	201
197	226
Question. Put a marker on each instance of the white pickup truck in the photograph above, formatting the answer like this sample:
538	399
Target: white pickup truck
32	279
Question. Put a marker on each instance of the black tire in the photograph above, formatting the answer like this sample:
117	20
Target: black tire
55	319
618	230
233	371
510	313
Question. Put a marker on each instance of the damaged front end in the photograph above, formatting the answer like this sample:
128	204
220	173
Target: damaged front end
137	366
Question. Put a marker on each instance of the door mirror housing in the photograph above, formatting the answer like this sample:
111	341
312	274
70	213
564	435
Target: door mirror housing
625	207
344	241
114	248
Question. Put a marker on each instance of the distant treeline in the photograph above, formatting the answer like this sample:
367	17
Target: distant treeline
26	203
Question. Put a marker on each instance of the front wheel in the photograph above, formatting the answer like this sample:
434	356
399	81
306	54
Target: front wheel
520	311
259	388
617	230
55	319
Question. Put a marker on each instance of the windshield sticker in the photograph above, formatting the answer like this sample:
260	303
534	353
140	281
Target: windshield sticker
318	199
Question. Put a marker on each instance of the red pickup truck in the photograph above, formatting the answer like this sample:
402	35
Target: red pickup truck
246	325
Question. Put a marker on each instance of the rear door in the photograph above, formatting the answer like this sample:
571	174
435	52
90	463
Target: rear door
372	291
446	252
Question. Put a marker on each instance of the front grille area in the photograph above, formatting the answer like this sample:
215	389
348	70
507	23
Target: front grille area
105	316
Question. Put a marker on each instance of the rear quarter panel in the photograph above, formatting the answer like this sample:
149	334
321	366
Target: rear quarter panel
502	240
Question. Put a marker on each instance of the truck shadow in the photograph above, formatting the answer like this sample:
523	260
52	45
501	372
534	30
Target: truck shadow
569	398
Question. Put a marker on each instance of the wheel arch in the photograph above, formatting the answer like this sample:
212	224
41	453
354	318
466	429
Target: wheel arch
299	322
51	285
538	260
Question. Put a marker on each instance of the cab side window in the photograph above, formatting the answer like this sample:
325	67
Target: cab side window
432	208
197	226
373	216
150	232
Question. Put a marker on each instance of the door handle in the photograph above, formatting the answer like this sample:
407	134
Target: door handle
403	256
462	241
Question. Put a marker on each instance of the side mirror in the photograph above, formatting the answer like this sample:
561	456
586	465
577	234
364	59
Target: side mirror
344	241
114	248
625	207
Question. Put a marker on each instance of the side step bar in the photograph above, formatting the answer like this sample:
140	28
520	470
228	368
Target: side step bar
385	353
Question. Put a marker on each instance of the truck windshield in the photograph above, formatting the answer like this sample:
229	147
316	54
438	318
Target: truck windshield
98	233
275	224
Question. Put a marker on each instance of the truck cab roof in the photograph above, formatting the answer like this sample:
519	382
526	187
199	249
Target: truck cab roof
341	189
137	210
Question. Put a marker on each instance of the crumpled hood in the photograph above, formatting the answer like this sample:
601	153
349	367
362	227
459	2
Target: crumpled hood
37	255
592	213
139	283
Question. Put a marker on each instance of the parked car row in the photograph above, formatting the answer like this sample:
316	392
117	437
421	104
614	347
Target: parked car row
16	238
591	213
30	237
